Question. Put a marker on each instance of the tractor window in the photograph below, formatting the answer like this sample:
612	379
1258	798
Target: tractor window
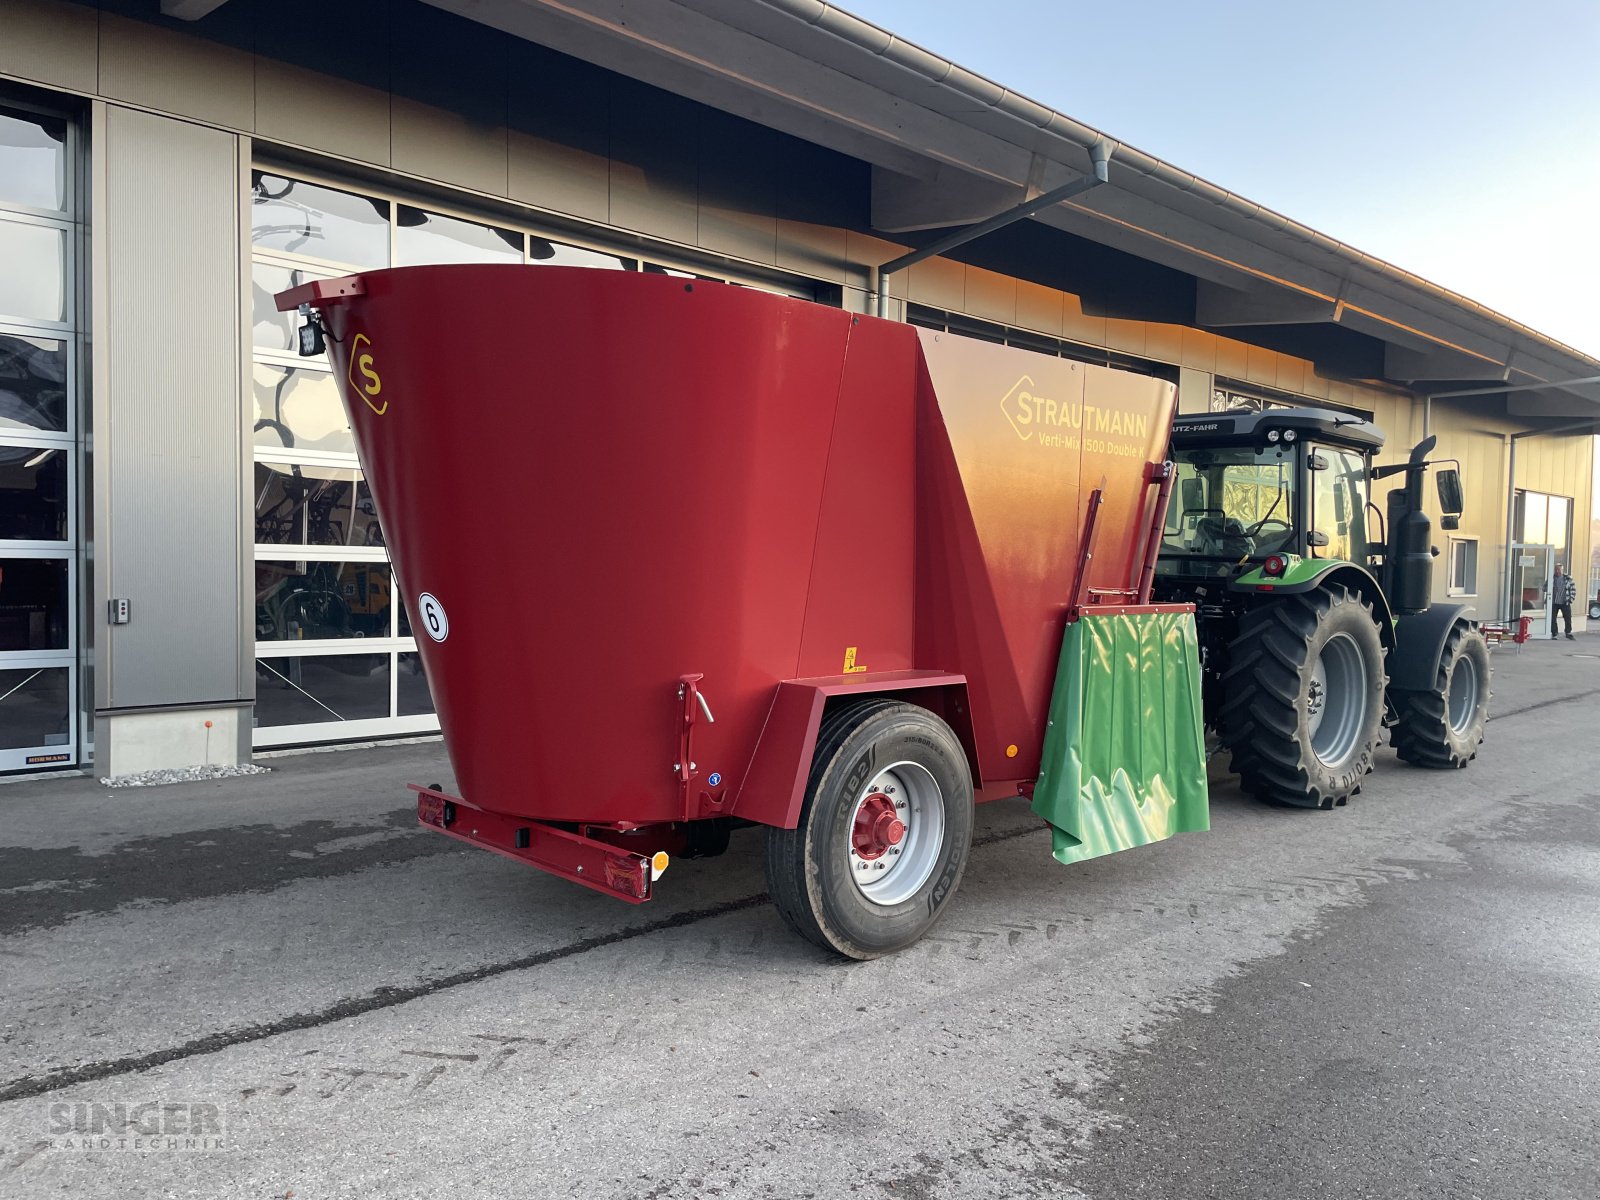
1339	504
1228	505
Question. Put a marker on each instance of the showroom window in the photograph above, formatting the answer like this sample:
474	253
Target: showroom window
335	655
38	442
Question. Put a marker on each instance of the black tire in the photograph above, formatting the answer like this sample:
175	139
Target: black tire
1442	727
1275	713
810	869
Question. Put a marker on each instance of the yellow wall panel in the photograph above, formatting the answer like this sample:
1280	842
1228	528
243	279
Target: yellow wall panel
991	296
440	145
50	43
938	283
1040	308
752	236
816	250
306	108
558	178
1199	350
172	73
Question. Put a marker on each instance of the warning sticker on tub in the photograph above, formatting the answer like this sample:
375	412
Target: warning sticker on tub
433	618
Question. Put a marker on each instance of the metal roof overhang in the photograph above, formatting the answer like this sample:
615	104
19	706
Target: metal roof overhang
950	147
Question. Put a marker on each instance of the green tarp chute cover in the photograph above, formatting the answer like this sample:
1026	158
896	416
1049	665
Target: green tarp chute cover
1124	753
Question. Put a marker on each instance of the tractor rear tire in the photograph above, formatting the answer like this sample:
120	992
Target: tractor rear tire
1304	697
883	835
1442	726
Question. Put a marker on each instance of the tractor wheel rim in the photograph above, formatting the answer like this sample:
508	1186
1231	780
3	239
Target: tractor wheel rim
896	833
1463	697
1336	700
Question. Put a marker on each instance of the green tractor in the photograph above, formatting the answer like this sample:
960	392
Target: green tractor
1316	627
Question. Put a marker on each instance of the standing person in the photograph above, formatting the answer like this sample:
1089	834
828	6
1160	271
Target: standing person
1563	591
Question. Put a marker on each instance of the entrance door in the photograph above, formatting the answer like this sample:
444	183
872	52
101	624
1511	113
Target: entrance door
1530	585
38	442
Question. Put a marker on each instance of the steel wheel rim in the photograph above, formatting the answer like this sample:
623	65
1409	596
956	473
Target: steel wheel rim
894	875
1463	699
1336	700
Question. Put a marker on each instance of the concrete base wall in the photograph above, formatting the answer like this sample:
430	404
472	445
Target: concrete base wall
168	739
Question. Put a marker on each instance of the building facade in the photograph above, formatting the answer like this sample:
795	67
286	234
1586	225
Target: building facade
191	569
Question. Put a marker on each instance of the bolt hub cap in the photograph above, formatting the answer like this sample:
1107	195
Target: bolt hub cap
876	827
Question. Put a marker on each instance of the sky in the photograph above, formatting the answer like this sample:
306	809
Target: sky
1459	141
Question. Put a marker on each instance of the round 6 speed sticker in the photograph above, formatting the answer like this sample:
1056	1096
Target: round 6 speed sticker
433	618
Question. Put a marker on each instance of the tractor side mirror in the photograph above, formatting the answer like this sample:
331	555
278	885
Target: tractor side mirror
1193	494
1450	495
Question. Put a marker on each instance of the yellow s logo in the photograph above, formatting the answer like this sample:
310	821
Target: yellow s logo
369	385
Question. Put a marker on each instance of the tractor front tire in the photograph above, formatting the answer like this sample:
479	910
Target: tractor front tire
883	835
1442	726
1304	697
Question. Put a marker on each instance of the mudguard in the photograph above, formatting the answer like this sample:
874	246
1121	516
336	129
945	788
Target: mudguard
775	785
1304	574
1419	641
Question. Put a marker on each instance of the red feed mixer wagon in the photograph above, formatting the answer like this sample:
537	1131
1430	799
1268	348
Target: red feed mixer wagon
769	563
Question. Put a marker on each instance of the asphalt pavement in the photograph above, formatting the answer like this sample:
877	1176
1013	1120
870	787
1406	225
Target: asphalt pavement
279	986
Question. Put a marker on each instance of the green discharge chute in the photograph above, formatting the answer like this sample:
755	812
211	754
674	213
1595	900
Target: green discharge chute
1124	754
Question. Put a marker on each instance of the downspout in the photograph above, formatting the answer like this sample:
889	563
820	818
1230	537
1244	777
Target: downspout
1099	154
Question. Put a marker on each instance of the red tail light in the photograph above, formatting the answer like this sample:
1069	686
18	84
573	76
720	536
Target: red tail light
1275	565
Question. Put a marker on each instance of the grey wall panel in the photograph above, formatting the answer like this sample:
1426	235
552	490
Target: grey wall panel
171	454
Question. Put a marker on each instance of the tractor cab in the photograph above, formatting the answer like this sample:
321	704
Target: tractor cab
1252	485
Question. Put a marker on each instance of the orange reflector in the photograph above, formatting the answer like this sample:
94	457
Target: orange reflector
658	864
1011	751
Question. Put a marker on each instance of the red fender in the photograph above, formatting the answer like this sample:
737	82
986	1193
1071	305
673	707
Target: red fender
774	787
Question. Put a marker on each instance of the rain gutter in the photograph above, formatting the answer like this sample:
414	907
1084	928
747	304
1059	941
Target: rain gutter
974	90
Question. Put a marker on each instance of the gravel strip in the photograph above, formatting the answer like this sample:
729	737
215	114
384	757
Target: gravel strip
182	775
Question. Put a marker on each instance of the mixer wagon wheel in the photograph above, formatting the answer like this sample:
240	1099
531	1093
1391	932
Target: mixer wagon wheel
1442	726
1304	697
883	834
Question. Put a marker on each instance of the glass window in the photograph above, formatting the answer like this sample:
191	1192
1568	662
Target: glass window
424	238
411	688
308	601
1228	505
1463	579
33	493
33	160
33	264
1532	517
33	383
297	217
1558	525
556	254
1339	504
299	408
313	689
33	708
1227	400
271	329
33	604
304	504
